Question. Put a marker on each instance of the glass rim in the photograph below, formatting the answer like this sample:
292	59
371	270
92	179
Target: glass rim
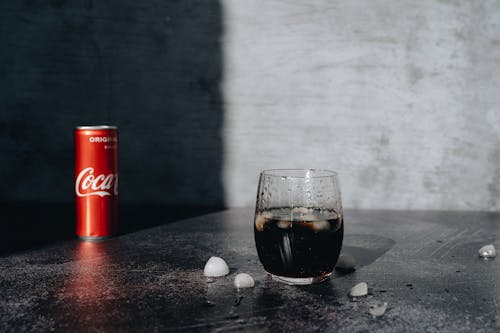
299	173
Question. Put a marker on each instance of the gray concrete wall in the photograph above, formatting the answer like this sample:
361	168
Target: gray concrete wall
402	98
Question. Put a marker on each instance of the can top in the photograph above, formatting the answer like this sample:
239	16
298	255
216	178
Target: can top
98	127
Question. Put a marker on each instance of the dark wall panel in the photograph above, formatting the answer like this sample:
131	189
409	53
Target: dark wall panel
152	68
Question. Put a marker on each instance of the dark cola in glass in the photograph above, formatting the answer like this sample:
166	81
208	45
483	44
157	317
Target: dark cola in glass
298	224
299	245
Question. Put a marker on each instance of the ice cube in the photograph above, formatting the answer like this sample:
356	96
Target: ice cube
216	267
361	289
488	251
260	221
243	280
321	225
378	310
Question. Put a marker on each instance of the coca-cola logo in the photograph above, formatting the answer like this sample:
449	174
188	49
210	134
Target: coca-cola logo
88	184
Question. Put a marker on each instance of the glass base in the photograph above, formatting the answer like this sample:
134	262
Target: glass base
301	281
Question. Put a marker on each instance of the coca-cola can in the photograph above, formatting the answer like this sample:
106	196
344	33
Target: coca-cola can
96	181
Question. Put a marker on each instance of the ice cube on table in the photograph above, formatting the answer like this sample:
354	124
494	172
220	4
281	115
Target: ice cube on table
378	310
361	289
216	267
488	251
244	280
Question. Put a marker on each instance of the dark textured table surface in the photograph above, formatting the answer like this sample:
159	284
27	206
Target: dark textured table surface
423	264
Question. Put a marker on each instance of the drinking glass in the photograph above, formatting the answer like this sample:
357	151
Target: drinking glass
298	224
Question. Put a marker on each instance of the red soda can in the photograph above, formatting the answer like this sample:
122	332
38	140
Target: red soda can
96	181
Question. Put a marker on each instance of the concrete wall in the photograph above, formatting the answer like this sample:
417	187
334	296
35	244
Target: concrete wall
402	98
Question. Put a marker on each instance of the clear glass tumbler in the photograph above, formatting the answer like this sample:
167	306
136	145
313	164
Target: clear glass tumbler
298	224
